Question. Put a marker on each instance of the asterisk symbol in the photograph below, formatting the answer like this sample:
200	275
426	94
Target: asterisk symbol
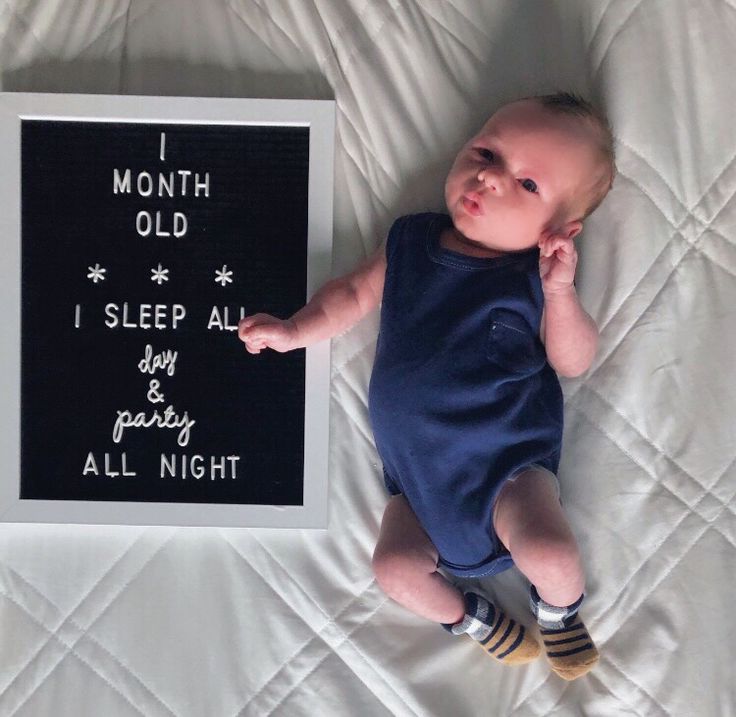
159	275
96	273
224	276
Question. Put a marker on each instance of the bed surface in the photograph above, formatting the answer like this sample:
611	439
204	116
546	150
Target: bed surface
169	622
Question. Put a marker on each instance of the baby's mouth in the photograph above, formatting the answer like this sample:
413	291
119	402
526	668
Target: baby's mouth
472	206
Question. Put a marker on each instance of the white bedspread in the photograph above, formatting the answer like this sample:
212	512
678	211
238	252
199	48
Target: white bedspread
114	622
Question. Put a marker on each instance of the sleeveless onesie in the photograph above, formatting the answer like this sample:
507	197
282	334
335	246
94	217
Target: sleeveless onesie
461	397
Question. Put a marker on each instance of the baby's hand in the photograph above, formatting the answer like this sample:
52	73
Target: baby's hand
557	261
262	331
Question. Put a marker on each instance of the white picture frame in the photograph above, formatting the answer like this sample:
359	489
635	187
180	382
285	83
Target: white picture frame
318	116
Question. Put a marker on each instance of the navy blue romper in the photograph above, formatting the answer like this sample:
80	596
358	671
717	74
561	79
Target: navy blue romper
461	397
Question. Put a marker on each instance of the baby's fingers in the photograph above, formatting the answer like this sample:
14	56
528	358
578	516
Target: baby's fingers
561	244
563	249
255	339
567	253
243	327
248	328
549	246
544	247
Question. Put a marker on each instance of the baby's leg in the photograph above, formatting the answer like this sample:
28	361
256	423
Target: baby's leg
530	522
405	565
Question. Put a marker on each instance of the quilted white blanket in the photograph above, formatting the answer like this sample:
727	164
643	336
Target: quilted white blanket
245	623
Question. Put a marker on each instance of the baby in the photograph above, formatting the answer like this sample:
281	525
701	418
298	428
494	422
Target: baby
479	314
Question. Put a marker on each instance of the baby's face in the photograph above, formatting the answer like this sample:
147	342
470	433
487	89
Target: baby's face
520	177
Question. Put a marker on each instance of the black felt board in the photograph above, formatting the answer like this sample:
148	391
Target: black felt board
75	379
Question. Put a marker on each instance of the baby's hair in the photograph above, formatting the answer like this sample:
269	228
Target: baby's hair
568	103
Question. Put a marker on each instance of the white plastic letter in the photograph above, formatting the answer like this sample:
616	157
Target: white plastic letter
143	223
205	186
90	466
169	466
164	184
121	186
180	224
145	184
197	469
111	311
178	312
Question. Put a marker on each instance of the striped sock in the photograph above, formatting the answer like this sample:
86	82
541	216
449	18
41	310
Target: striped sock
570	649
499	636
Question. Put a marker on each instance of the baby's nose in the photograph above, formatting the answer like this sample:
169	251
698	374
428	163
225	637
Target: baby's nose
494	180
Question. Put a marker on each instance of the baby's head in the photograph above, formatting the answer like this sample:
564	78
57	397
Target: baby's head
538	167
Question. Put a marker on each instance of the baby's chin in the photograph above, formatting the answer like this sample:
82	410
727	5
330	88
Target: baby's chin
480	231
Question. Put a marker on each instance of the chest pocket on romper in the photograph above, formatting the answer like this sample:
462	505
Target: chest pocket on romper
512	344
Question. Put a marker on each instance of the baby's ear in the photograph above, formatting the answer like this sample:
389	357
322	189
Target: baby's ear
569	230
565	231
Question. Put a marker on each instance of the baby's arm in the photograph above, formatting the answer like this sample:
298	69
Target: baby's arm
569	334
338	305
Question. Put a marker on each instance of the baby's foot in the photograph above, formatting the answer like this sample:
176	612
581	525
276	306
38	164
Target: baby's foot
570	650
498	635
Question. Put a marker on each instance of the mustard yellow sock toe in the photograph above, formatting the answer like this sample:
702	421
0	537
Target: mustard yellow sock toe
570	650
510	642
498	635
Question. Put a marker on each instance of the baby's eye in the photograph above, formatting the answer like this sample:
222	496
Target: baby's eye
529	184
486	154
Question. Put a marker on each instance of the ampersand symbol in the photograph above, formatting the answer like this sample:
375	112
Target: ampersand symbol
154	395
